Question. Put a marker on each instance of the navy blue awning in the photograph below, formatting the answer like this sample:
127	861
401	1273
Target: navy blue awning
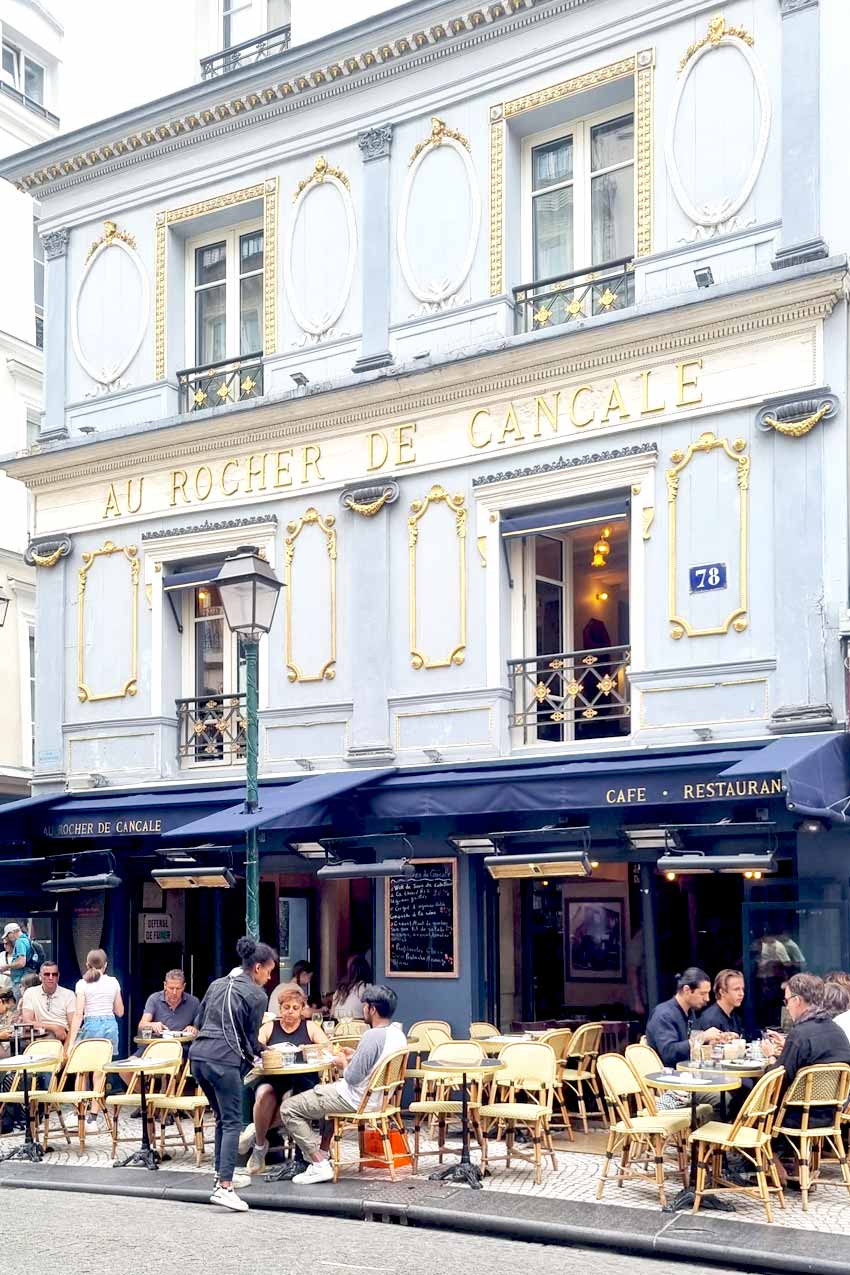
564	516
816	770
178	580
277	803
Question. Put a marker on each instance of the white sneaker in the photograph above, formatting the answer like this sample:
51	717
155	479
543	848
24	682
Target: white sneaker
247	1138
257	1160
239	1180
92	1125
228	1199
320	1171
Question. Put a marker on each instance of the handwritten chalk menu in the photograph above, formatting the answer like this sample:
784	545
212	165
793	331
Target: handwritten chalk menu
421	921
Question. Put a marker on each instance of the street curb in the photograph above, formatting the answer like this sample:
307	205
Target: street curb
741	1246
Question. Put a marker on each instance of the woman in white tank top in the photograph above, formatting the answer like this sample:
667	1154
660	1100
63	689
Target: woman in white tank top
99	1003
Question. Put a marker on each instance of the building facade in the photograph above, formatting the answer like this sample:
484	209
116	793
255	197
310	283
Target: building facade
515	339
31	41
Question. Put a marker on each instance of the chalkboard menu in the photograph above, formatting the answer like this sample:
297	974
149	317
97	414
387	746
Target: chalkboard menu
421	921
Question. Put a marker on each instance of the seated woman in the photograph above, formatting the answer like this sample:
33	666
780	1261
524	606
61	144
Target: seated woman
289	1028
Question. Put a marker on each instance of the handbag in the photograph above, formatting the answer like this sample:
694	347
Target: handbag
373	1146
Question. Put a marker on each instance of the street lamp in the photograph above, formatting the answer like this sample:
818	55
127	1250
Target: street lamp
248	589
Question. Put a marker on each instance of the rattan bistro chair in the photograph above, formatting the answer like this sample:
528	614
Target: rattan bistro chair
170	1053
481	1030
524	1093
47	1061
578	1070
437	1099
84	1068
179	1103
424	1037
750	1137
350	1027
559	1038
824	1089
385	1085
637	1128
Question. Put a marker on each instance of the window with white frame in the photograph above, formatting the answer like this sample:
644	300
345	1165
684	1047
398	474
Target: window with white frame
236	22
31	655
212	719
23	72
580	195
38	283
226	287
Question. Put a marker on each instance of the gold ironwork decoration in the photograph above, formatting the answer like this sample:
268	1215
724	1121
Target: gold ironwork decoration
566	688
48	559
266	191
418	509
130	686
737	617
648	520
368	508
639	68
439	131
321	170
798	429
327	525
717	31
109	236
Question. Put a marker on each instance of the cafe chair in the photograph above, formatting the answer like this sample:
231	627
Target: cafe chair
637	1129
578	1069
480	1031
179	1103
559	1038
424	1037
437	1102
84	1069
350	1027
750	1136
386	1084
166	1051
47	1054
523	1098
820	1089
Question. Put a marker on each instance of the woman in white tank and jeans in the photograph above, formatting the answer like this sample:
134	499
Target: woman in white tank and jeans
99	1006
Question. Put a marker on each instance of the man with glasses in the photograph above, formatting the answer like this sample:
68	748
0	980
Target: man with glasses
49	1006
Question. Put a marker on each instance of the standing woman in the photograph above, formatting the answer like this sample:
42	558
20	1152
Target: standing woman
224	1050
99	1006
346	1001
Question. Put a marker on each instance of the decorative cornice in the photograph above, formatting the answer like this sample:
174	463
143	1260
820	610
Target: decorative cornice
565	462
554	364
375	143
795	417
368	501
55	243
308	87
226	524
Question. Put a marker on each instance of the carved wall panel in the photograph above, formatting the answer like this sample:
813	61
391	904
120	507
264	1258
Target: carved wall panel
316	312
300	587
729	612
110	311
439	501
126	604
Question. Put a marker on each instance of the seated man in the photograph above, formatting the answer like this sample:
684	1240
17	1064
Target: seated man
173	1009
49	1006
382	1038
288	1027
671	1023
728	999
814	1038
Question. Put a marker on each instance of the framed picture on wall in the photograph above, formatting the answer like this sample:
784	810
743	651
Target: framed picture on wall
595	943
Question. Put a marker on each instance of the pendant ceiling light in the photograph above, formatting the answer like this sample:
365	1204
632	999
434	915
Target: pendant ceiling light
601	549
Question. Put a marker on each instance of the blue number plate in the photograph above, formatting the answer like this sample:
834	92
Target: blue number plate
711	576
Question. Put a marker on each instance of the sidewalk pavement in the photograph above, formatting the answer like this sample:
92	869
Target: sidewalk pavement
562	1210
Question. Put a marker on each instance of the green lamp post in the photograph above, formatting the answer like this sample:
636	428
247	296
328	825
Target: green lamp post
248	589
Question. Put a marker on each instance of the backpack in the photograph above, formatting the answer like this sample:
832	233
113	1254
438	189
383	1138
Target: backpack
35	956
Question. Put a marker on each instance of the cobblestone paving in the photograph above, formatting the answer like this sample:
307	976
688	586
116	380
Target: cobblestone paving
576	1178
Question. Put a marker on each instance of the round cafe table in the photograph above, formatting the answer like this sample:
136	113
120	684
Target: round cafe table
30	1149
145	1156
694	1083
495	1044
182	1038
464	1171
317	1067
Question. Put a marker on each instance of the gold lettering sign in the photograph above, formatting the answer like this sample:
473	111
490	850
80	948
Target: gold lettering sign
559	413
713	790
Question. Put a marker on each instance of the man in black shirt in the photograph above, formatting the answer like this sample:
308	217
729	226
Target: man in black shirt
814	1038
671	1022
728	997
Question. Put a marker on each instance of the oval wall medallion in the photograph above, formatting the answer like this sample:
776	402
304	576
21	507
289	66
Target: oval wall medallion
436	294
720	219
320	325
108	375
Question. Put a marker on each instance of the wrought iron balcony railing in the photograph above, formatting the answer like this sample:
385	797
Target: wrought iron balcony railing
246	53
212	728
571	694
548	303
216	384
29	102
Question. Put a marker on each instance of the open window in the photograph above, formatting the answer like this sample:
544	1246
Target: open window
569	564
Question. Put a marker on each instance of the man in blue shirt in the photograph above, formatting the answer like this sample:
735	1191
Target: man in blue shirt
17	964
671	1022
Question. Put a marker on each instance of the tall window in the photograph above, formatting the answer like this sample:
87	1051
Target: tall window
228	296
581	192
23	73
31	651
235	22
38	283
219	656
